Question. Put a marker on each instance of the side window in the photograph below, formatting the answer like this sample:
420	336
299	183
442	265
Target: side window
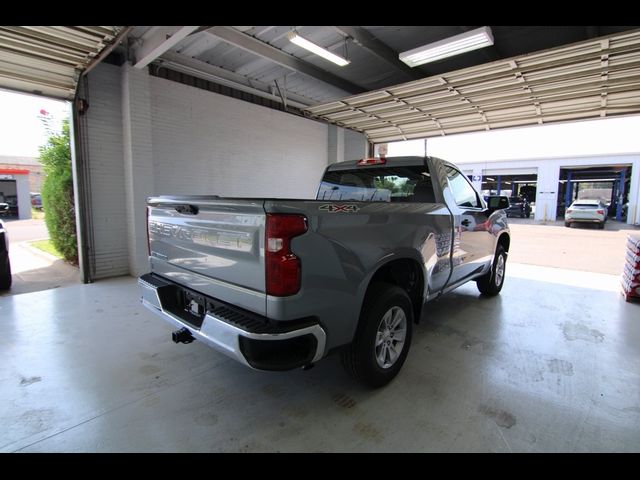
463	192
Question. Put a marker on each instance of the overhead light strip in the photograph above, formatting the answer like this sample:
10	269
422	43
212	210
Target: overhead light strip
318	50
465	42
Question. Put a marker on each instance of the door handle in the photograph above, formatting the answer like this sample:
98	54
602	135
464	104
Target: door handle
186	209
465	222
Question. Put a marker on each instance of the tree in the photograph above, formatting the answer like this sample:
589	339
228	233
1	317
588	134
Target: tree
57	192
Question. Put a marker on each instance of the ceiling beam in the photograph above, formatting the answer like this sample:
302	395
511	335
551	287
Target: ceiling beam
225	77
158	41
592	32
381	50
257	47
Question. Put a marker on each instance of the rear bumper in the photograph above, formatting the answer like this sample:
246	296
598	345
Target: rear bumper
252	340
584	220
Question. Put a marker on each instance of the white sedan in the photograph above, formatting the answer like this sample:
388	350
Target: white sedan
587	211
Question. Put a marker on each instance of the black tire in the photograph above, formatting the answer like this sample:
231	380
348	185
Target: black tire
529	215
601	226
359	358
490	284
567	224
5	271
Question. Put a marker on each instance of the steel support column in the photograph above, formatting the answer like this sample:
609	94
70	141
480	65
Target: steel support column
620	202
568	191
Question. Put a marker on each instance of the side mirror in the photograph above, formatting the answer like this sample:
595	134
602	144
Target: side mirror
498	203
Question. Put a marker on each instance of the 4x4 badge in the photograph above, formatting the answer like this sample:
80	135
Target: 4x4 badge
339	207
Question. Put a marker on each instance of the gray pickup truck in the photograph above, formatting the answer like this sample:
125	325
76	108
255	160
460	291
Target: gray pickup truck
279	284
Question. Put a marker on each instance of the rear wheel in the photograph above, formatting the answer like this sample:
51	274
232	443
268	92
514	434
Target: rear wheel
601	226
567	224
491	283
383	337
5	271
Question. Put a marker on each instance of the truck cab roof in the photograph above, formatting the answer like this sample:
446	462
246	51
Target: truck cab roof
387	162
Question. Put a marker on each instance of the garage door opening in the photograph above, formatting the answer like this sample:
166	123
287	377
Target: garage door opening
36	262
609	184
510	186
8	199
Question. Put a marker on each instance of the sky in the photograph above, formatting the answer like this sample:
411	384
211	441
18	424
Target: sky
21	130
609	136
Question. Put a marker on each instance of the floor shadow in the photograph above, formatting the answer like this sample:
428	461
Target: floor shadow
58	274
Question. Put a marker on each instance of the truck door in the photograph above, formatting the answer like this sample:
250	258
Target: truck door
472	243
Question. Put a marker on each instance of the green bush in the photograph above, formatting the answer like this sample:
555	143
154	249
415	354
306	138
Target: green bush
57	194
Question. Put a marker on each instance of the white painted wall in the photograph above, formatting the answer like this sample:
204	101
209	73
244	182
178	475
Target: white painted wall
24	197
151	136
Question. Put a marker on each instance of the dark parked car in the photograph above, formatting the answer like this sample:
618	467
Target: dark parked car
36	201
5	267
4	209
519	206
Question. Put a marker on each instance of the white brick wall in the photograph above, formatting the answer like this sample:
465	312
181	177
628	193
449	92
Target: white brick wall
355	145
201	143
205	143
138	162
106	171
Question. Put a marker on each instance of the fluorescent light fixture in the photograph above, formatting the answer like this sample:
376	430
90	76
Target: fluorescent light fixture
312	47
465	42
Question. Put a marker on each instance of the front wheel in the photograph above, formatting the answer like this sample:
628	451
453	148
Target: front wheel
5	271
491	283
383	337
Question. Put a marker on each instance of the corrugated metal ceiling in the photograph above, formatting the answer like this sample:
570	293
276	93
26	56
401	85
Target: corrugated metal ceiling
204	46
598	77
48	60
595	78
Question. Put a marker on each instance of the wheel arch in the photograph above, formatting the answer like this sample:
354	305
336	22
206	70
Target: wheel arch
406	273
504	240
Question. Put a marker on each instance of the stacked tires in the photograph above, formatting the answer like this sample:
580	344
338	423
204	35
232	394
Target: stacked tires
631	271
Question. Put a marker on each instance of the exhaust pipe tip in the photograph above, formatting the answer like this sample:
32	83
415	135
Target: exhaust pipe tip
182	336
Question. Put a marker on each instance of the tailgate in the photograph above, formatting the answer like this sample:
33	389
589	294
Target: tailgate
211	245
585	212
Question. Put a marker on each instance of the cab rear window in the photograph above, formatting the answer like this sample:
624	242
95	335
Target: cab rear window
393	184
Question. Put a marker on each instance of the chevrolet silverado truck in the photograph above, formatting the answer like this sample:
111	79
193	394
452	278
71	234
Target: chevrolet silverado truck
279	284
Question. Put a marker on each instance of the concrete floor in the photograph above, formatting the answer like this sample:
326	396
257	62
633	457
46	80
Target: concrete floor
582	247
552	364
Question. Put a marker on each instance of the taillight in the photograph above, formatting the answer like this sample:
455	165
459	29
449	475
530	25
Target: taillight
601	212
372	161
569	210
282	266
